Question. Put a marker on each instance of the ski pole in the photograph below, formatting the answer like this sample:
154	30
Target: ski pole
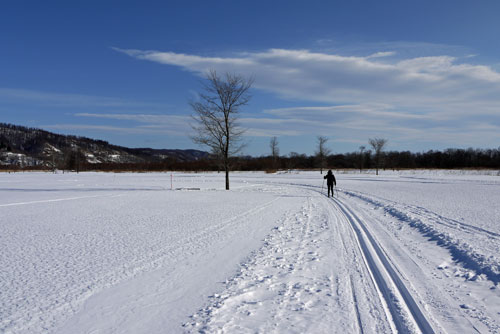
322	186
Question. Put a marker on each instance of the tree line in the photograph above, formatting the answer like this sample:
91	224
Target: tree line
361	160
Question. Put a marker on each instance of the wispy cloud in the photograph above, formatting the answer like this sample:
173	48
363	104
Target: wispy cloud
413	98
71	100
142	118
381	54
166	124
401	49
428	82
364	110
149	129
99	128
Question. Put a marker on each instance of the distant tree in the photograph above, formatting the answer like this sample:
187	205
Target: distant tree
52	162
322	152
293	160
275	151
378	145
216	115
69	160
361	157
78	159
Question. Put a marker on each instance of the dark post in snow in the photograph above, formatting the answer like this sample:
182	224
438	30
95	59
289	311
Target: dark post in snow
378	145
216	115
322	152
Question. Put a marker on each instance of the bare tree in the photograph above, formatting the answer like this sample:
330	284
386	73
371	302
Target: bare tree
216	115
322	152
275	151
361	157
378	145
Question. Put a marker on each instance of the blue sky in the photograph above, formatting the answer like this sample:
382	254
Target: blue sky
423	74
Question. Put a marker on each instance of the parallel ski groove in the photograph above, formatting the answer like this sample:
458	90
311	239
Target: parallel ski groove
366	239
355	300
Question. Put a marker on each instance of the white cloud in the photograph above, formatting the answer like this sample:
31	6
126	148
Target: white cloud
422	82
417	99
191	61
382	54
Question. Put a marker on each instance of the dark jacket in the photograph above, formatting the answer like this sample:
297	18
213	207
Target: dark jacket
330	178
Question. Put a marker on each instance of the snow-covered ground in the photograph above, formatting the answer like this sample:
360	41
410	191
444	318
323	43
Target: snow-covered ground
407	252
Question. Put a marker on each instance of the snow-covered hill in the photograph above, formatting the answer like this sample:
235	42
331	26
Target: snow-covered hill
22	146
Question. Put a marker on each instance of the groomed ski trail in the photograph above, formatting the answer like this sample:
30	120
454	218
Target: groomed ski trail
321	271
404	310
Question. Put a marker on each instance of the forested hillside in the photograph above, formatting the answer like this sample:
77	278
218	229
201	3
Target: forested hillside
29	147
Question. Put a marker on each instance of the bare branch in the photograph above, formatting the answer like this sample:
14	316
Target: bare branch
216	115
322	152
378	145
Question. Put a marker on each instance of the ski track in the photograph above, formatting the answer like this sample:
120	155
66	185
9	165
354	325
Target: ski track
292	271
417	210
403	308
451	303
403	312
438	228
56	200
444	231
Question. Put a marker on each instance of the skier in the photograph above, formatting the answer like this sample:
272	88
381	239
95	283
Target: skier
330	181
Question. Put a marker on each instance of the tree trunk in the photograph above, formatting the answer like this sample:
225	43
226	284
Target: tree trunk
226	167
378	163
226	153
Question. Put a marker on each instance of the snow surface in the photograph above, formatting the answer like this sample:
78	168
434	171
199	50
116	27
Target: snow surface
408	252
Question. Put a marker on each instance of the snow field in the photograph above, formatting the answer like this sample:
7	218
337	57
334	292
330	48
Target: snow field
402	252
60	253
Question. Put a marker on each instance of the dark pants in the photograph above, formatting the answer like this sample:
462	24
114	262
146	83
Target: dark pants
330	186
